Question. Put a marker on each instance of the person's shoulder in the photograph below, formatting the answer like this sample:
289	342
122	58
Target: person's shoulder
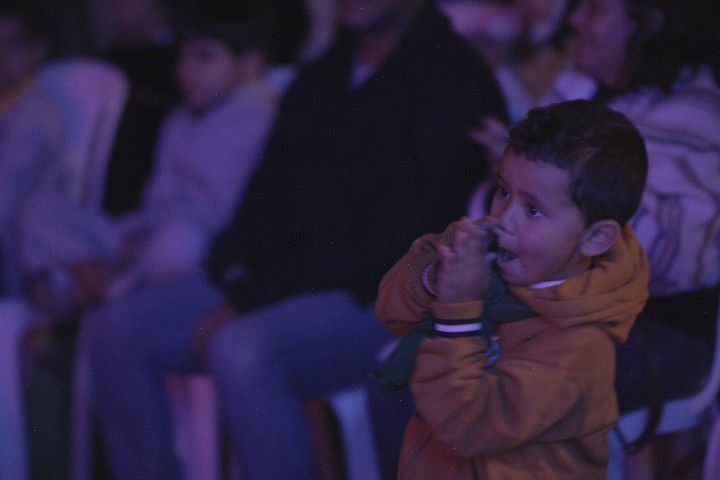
451	72
451	54
691	108
327	67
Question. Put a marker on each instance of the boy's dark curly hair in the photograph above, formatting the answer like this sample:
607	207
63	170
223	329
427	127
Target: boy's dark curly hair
602	150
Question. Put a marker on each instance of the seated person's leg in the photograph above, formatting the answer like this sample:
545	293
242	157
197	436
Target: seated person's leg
132	344
13	456
269	360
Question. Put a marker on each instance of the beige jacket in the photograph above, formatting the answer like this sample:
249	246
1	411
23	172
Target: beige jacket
545	407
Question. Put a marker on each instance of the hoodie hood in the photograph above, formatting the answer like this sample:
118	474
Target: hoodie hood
610	294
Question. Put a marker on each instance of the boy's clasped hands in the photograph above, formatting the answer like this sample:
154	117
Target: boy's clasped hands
463	272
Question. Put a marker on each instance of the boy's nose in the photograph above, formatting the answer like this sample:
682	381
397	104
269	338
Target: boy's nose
504	221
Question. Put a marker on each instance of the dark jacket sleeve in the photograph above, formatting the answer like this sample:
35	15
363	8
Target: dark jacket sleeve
345	187
247	259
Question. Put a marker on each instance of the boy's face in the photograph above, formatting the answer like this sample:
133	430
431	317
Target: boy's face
207	70
539	227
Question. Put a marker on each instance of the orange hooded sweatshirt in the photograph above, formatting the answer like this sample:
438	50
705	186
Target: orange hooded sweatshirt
544	408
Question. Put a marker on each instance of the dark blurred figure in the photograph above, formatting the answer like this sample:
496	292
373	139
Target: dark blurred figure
145	50
69	29
369	151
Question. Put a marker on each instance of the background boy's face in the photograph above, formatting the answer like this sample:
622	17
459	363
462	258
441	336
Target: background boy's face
603	35
540	227
207	71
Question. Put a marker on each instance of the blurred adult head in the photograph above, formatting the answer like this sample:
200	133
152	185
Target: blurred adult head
544	20
141	22
286	21
375	16
627	43
23	43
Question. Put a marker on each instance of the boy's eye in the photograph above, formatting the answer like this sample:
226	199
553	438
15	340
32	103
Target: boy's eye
502	193
533	211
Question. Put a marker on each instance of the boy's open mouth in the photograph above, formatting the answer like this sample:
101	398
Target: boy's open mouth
504	255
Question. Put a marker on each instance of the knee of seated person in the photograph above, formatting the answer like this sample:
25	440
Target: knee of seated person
235	350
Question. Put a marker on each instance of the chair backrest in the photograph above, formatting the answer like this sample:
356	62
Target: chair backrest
91	95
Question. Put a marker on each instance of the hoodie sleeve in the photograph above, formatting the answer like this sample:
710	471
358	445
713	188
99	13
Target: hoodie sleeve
402	300
534	392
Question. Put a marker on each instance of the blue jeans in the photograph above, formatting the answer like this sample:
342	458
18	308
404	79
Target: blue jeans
264	365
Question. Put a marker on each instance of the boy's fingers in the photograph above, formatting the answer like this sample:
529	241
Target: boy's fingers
482	230
473	248
446	254
489	224
495	127
469	240
451	230
461	243
481	137
469	226
486	222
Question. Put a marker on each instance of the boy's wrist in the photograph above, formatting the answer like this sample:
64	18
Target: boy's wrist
453	328
456	310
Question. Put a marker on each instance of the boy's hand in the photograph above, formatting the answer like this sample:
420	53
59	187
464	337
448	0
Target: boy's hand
463	274
493	135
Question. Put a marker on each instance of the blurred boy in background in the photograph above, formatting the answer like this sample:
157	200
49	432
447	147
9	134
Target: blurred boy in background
206	153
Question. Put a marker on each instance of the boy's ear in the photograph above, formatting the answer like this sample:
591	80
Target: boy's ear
599	237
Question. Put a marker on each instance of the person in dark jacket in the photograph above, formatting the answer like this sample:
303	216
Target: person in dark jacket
369	151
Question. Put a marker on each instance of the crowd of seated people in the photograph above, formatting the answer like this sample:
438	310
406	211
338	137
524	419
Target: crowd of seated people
205	155
246	229
368	151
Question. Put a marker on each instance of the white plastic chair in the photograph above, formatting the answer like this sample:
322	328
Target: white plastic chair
91	96
711	468
676	415
352	411
197	439
14	318
196	436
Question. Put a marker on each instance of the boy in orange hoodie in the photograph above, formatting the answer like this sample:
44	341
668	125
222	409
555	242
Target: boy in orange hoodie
502	398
